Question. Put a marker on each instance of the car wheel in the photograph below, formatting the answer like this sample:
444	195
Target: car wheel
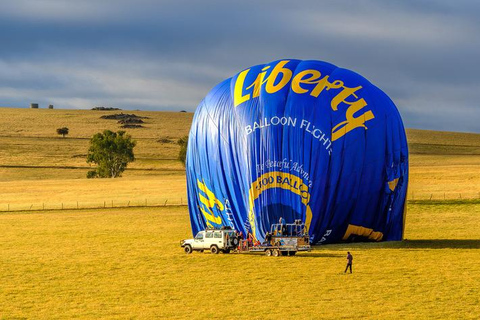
188	249
214	249
276	253
268	252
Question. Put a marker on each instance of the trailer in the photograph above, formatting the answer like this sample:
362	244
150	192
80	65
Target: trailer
282	240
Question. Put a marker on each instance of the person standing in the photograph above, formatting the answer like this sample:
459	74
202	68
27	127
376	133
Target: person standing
349	262
283	227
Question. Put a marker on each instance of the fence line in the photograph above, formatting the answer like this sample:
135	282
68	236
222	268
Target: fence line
172	202
106	204
446	196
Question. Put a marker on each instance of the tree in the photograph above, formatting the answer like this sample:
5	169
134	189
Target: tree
63	131
182	155
111	152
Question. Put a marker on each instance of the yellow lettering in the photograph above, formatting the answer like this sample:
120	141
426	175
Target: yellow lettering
281	76
301	77
271	87
344	94
238	96
351	122
323	83
277	179
209	203
393	184
257	84
363	232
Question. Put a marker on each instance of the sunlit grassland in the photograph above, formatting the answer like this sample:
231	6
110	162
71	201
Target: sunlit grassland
30	147
442	164
127	263
88	193
444	176
85	123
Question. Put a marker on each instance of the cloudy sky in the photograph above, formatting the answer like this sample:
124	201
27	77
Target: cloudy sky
166	55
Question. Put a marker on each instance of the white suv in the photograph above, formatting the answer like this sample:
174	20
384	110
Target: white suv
214	240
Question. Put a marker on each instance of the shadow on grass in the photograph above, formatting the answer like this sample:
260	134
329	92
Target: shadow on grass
407	244
317	254
438	244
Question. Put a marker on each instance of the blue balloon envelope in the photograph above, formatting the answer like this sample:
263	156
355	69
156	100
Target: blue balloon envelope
299	140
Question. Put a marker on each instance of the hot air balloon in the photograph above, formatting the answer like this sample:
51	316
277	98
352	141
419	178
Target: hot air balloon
301	140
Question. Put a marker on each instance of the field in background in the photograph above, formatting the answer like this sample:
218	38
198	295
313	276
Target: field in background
126	262
31	149
444	165
39	167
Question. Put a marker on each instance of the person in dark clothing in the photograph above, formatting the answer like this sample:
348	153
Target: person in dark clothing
268	238
349	262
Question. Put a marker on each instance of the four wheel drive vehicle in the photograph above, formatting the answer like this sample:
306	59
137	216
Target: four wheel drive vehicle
215	240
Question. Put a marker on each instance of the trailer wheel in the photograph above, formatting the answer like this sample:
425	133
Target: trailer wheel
276	253
291	253
214	249
226	251
268	252
188	249
284	253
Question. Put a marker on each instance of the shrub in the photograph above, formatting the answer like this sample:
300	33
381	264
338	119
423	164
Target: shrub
63	131
111	152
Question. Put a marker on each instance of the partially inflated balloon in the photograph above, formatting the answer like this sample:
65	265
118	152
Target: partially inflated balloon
299	140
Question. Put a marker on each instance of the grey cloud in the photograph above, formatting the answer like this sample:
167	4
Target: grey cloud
168	54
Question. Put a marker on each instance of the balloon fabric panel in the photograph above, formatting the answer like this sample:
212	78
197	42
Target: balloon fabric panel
299	140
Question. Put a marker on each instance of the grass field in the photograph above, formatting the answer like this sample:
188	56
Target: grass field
125	263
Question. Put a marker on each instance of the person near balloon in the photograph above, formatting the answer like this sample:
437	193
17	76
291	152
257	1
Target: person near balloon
250	239
281	222
268	239
349	262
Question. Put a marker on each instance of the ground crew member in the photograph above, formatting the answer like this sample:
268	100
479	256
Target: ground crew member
281	222
250	239
349	262
268	238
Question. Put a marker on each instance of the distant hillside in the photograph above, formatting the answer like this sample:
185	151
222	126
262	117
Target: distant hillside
443	165
42	123
15	122
443	142
30	147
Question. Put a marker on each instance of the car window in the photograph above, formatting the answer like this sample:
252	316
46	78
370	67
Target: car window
218	234
209	235
199	236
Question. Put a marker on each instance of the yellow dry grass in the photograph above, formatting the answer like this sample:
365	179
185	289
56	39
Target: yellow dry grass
444	177
127	263
85	123
29	144
88	193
